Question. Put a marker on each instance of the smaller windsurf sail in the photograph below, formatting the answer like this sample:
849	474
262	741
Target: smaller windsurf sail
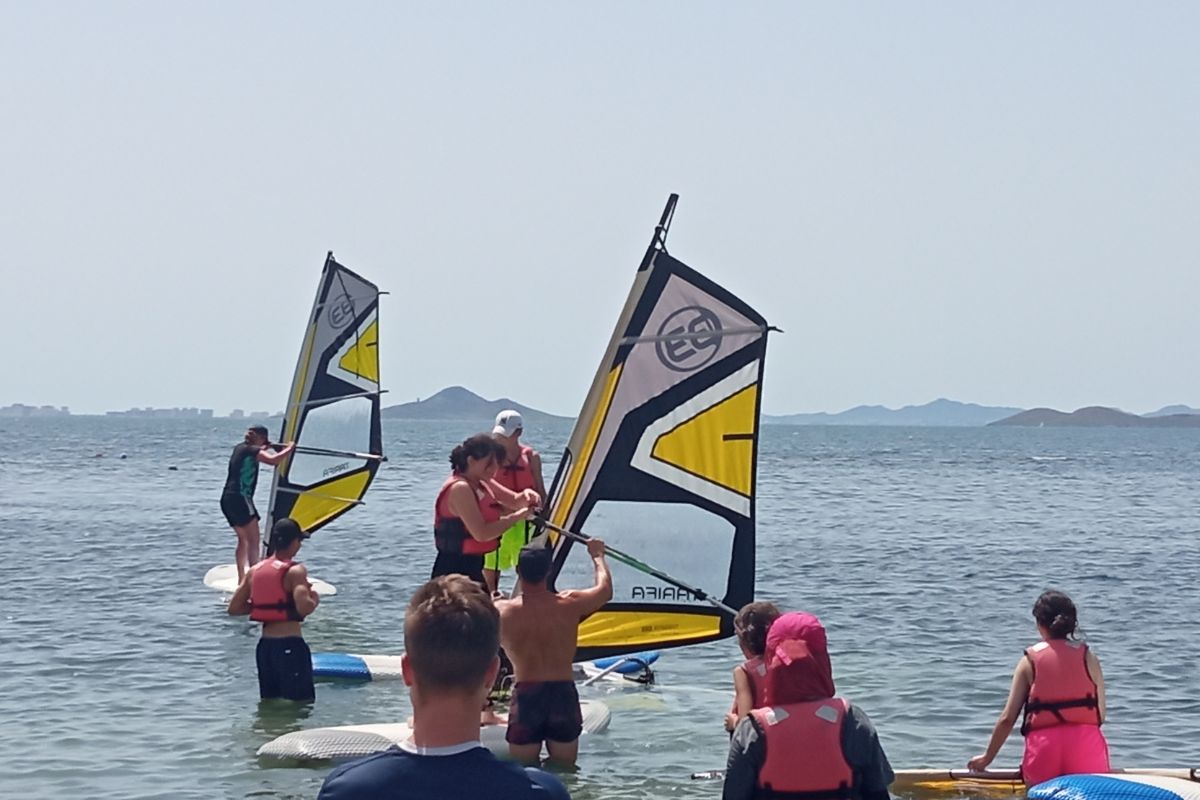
661	463
333	407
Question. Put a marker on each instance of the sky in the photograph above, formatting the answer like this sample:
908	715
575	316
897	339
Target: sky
995	203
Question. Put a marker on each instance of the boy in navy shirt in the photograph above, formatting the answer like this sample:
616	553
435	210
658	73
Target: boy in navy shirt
451	640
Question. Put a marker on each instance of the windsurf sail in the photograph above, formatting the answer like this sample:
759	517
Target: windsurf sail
661	463
333	407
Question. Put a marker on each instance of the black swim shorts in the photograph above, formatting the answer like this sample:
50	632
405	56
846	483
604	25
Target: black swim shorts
460	563
285	668
544	711
238	509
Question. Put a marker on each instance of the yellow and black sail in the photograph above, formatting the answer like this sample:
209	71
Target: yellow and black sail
661	463
333	407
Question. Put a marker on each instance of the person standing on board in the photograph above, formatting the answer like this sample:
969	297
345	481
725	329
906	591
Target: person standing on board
539	629
277	593
1059	684
472	511
804	740
237	498
451	635
520	471
749	679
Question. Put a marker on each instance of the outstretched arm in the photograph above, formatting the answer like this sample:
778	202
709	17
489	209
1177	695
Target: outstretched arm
1022	679
1093	668
274	459
589	601
507	498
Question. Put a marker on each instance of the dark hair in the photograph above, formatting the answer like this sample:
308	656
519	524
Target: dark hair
1055	612
752	623
533	564
283	533
261	430
451	634
481	445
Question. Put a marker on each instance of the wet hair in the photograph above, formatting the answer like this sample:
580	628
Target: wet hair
451	634
752	623
1055	612
481	445
533	564
261	430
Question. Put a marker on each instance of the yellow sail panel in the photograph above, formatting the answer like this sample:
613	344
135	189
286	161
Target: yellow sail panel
562	508
295	406
616	629
321	503
717	444
362	357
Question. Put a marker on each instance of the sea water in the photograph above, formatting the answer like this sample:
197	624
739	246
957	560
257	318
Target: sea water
922	549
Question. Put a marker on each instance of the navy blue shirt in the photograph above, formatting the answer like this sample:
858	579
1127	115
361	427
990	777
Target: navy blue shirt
467	772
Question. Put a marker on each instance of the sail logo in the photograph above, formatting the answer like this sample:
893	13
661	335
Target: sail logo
688	339
341	311
662	593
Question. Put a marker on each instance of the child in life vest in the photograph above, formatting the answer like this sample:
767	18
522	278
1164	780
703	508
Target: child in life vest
804	741
1059	685
749	678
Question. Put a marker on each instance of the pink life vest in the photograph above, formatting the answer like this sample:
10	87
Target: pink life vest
517	475
450	534
804	750
1063	692
270	601
756	674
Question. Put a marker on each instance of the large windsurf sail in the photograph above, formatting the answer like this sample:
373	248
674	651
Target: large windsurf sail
333	407
661	463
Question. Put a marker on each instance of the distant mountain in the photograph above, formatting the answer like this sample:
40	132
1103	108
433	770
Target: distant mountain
1097	417
939	412
459	404
1168	411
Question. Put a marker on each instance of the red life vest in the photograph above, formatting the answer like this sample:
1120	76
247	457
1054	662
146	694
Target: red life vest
1063	692
517	475
270	601
756	673
450	534
804	751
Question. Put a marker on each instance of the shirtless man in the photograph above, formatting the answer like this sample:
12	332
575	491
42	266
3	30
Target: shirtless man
277	593
237	498
539	629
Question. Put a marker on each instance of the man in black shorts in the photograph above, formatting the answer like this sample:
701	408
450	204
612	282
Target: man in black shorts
539	629
237	498
277	593
451	635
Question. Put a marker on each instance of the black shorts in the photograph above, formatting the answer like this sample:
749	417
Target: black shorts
238	509
284	668
545	711
460	563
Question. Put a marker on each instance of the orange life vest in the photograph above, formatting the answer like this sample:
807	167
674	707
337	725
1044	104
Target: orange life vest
1063	692
756	673
517	475
450	534
270	601
804	757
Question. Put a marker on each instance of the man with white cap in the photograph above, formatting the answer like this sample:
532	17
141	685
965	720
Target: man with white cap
520	472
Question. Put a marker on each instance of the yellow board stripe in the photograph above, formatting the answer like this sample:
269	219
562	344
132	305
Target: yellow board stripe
645	628
580	465
319	507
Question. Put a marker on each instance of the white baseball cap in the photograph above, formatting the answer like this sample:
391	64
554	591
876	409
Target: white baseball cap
508	422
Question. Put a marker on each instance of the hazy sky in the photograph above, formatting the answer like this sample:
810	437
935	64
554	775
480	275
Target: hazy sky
990	202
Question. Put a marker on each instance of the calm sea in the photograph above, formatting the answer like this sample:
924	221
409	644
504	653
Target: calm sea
921	549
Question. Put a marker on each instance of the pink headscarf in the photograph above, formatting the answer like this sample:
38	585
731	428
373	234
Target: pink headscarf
797	658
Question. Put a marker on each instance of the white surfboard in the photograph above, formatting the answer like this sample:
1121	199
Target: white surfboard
355	741
223	578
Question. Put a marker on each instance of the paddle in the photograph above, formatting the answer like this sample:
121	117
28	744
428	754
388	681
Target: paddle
641	566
